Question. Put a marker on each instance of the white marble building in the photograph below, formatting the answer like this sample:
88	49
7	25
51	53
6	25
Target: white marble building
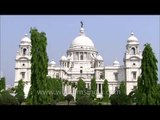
83	60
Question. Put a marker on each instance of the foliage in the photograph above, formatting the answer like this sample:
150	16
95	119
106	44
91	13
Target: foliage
120	97
29	100
85	100
158	95
7	99
132	96
81	89
2	83
93	92
147	82
69	98
39	68
20	91
113	99
60	90
55	90
73	85
105	91
122	88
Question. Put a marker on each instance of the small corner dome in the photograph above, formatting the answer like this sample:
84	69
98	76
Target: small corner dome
132	38
116	63
63	58
26	39
99	57
52	62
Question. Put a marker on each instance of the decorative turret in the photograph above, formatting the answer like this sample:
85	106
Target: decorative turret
132	62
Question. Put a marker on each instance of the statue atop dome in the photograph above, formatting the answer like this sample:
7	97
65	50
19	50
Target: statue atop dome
81	24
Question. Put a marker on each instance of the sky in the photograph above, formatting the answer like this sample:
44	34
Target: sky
109	34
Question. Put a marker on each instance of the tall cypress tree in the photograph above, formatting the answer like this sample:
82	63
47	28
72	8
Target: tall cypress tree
39	67
147	83
122	88
59	91
20	91
50	92
81	89
93	89
105	91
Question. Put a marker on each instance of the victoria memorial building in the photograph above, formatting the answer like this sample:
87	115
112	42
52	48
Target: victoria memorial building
82	60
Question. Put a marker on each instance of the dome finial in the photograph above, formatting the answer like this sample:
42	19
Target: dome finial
81	24
82	29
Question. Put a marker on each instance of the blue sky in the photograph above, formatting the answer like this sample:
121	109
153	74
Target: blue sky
109	34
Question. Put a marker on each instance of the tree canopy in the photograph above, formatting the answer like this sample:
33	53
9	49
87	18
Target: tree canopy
39	67
147	82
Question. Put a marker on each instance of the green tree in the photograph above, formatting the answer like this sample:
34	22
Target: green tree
137	95
69	98
147	83
114	99
58	90
49	94
39	67
2	83
120	97
132	96
20	91
29	100
93	91
55	93
81	89
158	94
7	99
105	91
122	88
84	100
73	85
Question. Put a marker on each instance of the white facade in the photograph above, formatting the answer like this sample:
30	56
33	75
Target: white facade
83	61
23	66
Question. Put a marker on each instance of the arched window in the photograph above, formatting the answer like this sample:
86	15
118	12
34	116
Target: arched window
116	76
24	51
101	76
23	75
133	51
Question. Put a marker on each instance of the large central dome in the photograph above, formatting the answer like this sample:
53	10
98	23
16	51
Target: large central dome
82	41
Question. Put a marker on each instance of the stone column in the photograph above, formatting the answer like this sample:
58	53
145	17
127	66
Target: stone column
69	89
97	88
64	89
78	55
101	88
